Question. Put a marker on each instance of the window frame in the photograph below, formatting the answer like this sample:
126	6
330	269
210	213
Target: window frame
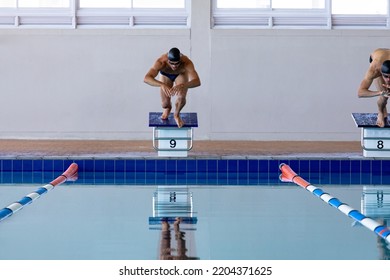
236	18
75	17
171	18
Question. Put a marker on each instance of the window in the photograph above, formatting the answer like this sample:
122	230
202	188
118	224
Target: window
274	4
298	4
105	4
360	7
324	14
260	14
35	3
166	4
243	4
43	3
92	13
158	4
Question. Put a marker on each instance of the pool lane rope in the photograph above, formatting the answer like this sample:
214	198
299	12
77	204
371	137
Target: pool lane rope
71	174
288	175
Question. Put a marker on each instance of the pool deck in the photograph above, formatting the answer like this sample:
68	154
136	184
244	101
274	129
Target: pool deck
201	149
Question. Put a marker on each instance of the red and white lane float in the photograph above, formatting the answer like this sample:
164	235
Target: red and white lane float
288	175
71	174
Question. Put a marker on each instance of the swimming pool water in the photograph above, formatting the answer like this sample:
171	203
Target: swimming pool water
80	221
228	208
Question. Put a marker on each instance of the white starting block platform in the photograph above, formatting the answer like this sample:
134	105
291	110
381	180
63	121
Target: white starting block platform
170	140
375	140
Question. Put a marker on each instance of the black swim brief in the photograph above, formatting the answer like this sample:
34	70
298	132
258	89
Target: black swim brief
172	77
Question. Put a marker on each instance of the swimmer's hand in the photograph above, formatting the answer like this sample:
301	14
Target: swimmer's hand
178	89
385	93
166	89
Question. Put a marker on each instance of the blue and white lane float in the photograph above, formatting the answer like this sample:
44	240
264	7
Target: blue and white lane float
71	174
288	175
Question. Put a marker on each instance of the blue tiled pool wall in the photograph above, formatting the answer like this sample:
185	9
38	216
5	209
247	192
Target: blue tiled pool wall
196	171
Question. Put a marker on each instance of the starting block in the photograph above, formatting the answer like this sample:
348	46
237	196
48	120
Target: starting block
170	140
375	140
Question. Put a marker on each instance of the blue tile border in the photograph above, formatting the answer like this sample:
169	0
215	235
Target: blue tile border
197	171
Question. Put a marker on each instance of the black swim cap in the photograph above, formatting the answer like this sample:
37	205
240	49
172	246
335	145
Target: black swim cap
386	67
174	54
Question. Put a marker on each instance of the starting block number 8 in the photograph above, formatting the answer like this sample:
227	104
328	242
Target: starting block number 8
376	144
380	145
375	141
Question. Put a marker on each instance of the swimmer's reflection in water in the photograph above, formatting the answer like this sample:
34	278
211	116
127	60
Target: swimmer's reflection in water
383	246
167	250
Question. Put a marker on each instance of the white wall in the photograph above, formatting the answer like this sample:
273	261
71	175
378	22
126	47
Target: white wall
256	84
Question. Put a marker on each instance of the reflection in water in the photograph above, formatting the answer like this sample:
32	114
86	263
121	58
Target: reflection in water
173	216
178	251
257	223
376	205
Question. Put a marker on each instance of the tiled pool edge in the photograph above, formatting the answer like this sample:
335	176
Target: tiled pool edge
197	171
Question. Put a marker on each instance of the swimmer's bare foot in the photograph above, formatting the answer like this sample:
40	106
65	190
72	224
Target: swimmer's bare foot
165	114
381	120
179	121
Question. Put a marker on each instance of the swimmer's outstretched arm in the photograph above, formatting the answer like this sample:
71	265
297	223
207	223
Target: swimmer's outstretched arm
150	78
364	88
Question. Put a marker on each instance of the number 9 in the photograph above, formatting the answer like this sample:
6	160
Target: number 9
172	143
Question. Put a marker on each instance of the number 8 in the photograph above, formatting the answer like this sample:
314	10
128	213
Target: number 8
380	145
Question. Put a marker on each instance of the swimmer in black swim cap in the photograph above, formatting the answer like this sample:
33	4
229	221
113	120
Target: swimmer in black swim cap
174	55
385	69
379	70
177	75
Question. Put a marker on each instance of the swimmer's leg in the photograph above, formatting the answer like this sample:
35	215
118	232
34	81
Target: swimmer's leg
166	104
181	99
382	111
179	104
166	112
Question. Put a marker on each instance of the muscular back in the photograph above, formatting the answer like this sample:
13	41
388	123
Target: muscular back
374	73
376	60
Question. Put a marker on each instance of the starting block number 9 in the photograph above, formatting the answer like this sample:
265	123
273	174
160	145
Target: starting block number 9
172	143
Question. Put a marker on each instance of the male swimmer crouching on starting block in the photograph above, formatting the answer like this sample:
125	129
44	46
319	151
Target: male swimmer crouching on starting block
177	75
378	70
